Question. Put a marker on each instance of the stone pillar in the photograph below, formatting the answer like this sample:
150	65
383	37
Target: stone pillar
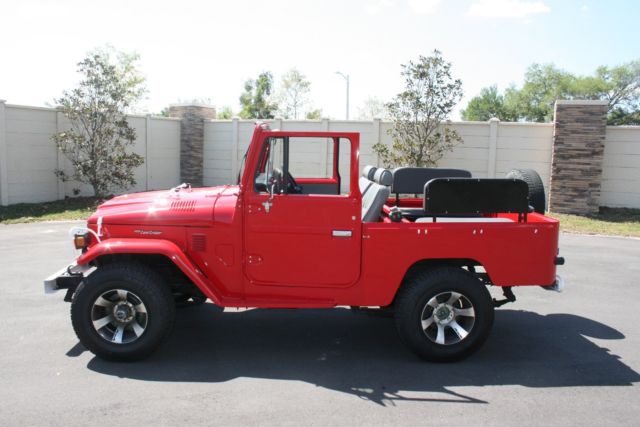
192	139
576	162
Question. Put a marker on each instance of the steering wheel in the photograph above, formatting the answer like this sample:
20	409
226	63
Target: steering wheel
292	185
277	179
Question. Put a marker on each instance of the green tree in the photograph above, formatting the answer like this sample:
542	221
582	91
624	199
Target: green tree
489	104
315	114
620	86
620	117
99	140
420	133
293	94
544	84
225	113
373	108
256	99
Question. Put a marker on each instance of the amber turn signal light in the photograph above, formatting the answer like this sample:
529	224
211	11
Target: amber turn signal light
81	241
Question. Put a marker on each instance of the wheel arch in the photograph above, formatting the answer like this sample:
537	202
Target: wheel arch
149	252
419	266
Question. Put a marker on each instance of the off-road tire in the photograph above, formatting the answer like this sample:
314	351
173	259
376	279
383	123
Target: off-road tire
423	287
148	286
537	198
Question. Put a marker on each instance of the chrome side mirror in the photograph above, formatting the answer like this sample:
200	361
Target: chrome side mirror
271	190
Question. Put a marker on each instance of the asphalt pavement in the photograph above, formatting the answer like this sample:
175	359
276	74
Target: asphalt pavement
556	359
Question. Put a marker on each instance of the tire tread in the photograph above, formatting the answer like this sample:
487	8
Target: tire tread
413	291
537	198
157	294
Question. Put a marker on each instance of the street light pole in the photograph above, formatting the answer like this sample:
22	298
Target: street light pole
346	77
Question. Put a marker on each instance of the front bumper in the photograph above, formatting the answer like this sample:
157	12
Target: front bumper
67	278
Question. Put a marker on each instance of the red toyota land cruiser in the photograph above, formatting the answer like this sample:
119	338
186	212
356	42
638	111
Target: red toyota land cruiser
422	243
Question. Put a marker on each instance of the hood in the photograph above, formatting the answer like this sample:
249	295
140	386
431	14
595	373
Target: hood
185	206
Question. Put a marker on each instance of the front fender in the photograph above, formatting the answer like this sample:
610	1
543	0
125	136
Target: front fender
155	246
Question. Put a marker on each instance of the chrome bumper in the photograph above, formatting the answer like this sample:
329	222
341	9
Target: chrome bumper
60	279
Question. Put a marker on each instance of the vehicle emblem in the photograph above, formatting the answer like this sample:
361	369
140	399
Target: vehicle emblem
147	232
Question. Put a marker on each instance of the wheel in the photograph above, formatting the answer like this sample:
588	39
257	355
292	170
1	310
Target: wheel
122	312
537	198
444	315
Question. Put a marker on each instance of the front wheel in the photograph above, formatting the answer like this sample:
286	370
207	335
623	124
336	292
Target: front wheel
122	312
444	315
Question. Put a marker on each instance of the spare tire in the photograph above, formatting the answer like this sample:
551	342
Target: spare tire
537	198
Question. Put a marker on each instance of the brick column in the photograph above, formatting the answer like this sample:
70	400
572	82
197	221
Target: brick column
192	140
576	163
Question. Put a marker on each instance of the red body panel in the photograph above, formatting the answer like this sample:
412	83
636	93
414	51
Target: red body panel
152	246
316	181
512	253
240	255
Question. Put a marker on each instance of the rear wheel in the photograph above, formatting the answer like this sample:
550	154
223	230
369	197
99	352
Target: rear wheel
537	198
444	315
122	312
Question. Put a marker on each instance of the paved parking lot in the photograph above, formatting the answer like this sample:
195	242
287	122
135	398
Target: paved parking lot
570	358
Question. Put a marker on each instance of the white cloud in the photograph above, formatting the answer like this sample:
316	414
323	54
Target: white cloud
584	8
507	8
378	6
423	7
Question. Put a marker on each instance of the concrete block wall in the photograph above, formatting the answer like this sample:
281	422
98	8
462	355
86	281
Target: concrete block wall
490	149
621	167
28	156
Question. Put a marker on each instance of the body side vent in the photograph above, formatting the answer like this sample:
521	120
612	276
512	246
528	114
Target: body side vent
198	242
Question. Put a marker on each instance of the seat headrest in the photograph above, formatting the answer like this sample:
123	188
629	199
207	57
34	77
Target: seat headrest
368	172
475	196
383	177
411	180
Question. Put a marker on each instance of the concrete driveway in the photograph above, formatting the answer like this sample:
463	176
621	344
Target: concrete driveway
570	358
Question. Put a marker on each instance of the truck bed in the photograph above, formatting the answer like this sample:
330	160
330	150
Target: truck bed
512	253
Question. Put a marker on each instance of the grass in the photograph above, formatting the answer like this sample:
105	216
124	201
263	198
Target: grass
67	209
612	221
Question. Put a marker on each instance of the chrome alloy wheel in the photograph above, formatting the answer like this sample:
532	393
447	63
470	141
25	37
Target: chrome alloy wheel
119	316
448	318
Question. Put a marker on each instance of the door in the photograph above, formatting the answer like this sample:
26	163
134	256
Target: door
293	238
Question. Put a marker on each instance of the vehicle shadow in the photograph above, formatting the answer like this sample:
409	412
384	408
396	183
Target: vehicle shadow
362	355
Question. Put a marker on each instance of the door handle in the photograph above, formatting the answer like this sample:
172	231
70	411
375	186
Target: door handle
341	233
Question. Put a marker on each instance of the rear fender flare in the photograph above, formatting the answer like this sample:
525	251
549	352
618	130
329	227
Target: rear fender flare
155	246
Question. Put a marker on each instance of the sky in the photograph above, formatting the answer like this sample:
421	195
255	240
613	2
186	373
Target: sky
206	50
